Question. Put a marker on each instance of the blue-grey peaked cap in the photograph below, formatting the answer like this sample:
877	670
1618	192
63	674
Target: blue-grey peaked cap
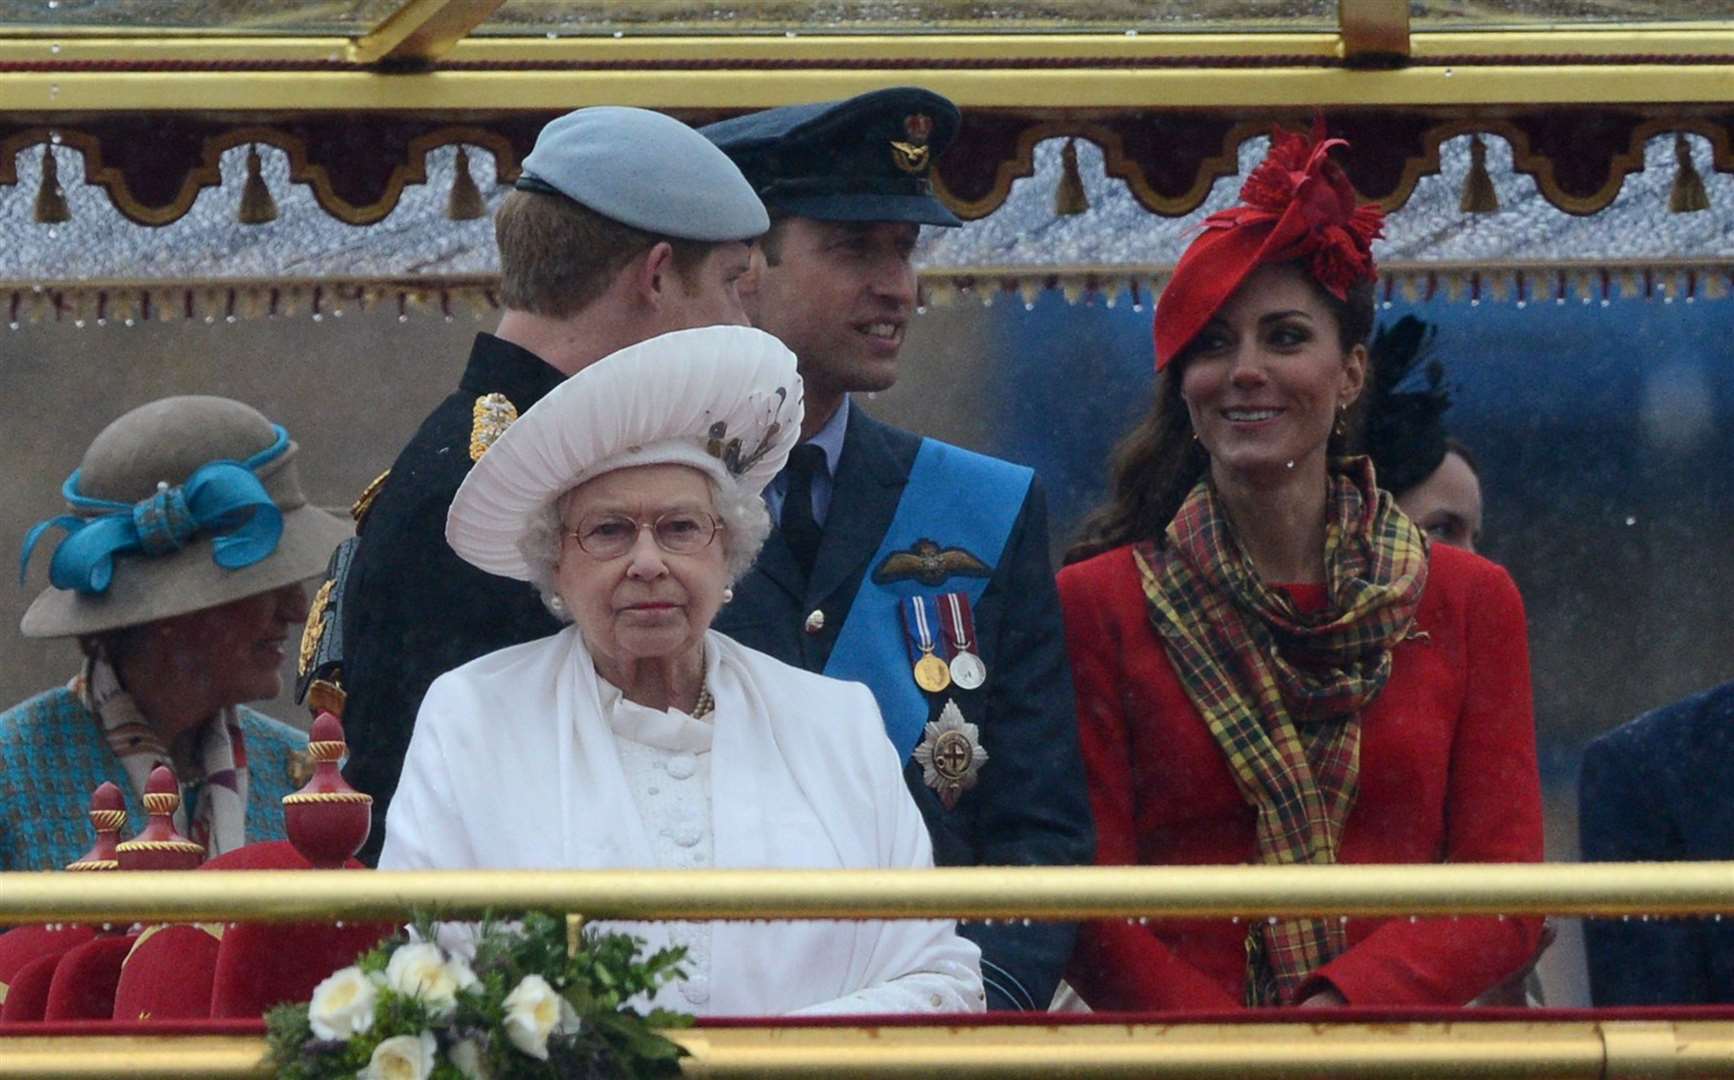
647	170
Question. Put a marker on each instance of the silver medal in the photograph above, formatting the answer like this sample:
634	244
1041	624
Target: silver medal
967	670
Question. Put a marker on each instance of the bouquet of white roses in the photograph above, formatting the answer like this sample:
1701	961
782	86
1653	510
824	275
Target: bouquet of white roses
523	1007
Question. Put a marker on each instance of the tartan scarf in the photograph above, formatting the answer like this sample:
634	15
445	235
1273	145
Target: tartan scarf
219	797
1282	691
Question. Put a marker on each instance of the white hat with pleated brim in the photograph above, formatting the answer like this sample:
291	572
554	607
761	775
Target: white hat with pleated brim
723	399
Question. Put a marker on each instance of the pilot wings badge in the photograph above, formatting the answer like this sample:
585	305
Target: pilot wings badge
951	755
930	564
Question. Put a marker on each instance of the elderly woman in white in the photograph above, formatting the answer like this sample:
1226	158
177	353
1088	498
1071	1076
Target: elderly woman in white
637	737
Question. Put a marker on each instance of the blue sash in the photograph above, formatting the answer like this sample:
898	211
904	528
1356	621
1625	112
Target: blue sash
958	499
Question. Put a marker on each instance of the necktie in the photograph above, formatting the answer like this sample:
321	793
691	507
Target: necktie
800	528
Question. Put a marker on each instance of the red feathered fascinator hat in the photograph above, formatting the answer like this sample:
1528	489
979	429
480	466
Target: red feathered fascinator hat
1297	205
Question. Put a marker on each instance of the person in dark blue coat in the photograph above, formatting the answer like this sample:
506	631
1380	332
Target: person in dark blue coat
917	568
624	224
1656	790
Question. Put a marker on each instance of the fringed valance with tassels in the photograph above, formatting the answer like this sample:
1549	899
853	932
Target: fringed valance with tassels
357	167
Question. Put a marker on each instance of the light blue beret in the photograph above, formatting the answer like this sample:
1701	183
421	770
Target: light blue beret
647	170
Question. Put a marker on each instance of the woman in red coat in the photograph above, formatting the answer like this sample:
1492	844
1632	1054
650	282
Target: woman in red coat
1271	665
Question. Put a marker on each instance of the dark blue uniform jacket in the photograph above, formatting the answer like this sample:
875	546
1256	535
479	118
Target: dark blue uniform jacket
412	609
1661	788
1030	807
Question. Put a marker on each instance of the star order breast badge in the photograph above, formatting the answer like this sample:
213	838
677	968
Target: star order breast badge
951	755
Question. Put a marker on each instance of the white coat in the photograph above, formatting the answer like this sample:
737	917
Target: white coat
514	766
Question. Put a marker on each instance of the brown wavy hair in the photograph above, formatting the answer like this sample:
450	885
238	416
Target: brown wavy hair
1157	464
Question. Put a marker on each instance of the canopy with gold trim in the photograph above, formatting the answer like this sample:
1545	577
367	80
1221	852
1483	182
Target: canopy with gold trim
189	158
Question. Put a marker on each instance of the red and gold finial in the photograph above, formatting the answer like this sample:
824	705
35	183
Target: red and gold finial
108	818
160	846
327	820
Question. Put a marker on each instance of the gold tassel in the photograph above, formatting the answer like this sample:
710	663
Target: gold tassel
257	205
1069	197
1478	194
51	205
465	202
1688	195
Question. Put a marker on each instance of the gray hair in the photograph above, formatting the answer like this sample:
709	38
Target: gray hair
745	521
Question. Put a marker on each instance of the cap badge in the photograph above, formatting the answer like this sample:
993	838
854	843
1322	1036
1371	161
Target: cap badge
491	416
911	156
951	755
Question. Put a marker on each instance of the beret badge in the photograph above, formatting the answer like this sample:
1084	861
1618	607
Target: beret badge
911	155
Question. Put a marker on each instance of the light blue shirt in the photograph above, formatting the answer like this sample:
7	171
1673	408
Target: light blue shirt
829	439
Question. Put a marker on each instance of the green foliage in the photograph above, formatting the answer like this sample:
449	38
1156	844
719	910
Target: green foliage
610	1039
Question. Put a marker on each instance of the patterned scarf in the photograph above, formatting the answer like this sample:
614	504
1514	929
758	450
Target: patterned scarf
219	797
1282	691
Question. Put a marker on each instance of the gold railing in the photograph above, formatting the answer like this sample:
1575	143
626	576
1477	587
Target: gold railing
1460	1047
1558	1050
1058	893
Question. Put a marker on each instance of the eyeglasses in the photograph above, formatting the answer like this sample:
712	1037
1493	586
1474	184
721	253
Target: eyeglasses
678	532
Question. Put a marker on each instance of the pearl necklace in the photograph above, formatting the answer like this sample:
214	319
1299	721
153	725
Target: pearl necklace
704	705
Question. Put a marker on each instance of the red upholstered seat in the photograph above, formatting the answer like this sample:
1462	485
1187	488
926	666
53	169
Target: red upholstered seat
263	964
27	992
85	978
168	975
260	965
25	943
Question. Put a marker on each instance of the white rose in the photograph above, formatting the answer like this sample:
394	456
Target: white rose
533	1012
422	971
342	1005
402	1057
467	1056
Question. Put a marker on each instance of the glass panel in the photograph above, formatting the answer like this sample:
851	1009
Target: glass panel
600	17
1555	14
215	16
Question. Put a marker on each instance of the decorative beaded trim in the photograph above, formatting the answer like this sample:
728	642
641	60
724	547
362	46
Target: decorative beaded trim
159	845
309	798
94	864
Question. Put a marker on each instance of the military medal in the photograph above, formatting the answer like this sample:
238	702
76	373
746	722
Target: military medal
931	673
958	622
951	755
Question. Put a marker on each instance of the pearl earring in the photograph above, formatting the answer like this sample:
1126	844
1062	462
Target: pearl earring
727	594
557	605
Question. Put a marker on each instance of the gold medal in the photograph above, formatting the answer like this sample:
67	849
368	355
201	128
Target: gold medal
931	674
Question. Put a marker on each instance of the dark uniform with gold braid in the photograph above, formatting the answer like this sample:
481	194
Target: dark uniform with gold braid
905	557
412	610
409	609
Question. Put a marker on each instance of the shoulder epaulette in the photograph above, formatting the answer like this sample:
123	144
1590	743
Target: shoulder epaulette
493	414
364	502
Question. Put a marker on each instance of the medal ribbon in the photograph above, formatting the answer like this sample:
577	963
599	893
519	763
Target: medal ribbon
960	627
918	626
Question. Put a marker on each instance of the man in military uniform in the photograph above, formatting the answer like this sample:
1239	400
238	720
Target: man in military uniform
625	224
915	567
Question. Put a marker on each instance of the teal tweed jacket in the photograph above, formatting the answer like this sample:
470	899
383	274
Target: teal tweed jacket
52	755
